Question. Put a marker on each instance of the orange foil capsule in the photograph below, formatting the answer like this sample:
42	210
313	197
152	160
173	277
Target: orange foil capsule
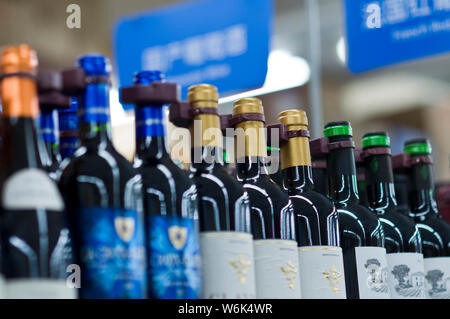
19	92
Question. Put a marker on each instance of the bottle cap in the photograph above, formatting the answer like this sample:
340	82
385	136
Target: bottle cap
203	93
147	77
338	128
376	139
247	105
418	146
293	117
95	65
18	59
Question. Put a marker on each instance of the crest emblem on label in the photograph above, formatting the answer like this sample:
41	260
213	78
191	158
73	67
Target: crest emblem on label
241	266
290	271
333	276
125	227
178	236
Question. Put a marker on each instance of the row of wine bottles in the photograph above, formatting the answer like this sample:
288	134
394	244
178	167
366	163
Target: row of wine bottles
79	220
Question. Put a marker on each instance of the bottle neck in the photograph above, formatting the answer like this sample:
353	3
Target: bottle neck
342	183
296	163
422	201
207	142
150	132
48	132
20	148
380	183
68	131
93	115
402	185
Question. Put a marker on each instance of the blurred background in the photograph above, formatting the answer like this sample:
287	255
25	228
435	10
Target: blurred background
408	100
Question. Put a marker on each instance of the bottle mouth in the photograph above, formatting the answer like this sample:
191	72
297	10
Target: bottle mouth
341	128
95	65
148	77
247	105
295	117
378	139
419	147
18	58
203	93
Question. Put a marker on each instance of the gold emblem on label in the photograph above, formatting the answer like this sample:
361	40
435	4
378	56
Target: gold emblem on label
241	267
333	277
124	227
290	271
178	236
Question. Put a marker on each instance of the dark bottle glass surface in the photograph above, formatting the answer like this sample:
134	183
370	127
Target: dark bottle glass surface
402	183
68	129
170	206
271	210
319	174
48	133
358	226
361	178
316	219
103	194
400	232
34	233
273	165
435	231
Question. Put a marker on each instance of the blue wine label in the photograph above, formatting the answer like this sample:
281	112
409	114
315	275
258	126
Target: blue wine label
174	263
112	253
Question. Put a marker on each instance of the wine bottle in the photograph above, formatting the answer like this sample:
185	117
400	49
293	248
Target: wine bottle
271	212
319	166
361	178
51	99
68	129
34	234
316	219
361	233
435	232
402	237
103	194
224	214
169	196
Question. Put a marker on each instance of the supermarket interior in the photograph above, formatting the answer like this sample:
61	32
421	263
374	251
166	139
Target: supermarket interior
408	100
124	173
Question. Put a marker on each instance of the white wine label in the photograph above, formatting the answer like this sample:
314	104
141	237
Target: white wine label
321	272
437	277
228	265
276	269
31	188
372	271
406	276
39	289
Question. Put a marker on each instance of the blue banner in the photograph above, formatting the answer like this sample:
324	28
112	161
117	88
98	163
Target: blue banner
385	32
224	43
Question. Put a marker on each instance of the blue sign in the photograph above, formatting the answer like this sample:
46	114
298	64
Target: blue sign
224	43
384	32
